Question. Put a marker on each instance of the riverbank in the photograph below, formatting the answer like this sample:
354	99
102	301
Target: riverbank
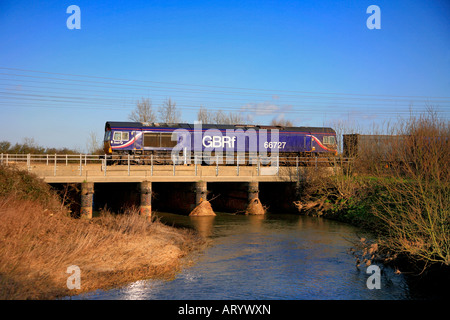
40	242
399	192
412	242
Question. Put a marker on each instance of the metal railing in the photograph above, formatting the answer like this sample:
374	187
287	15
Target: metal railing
151	163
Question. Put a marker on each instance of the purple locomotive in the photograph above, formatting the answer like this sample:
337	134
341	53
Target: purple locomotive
161	139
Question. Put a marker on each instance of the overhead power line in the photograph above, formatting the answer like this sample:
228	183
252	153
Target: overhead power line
42	89
221	87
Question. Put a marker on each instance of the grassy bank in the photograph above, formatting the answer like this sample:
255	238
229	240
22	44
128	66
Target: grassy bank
40	240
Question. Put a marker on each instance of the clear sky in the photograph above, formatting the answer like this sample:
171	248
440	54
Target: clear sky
312	62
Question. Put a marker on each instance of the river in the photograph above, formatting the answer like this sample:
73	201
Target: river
276	256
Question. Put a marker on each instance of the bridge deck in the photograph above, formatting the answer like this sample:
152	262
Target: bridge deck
164	173
91	168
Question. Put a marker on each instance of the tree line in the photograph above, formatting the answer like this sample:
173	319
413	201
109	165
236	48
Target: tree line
29	145
168	113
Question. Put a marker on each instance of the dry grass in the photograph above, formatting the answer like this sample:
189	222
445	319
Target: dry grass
39	244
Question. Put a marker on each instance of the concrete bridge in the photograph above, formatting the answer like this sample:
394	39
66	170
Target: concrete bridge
88	170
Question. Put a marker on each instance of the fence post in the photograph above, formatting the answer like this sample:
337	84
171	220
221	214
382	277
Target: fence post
296	166
66	159
278	165
28	161
128	160
217	165
258	160
151	162
173	161
54	169
237	164
195	163
81	169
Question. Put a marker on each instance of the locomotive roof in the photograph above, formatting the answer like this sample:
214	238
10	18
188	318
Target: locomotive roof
142	125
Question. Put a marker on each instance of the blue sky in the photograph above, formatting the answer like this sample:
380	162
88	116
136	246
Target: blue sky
313	62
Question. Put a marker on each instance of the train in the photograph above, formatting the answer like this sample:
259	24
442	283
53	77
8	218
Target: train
140	139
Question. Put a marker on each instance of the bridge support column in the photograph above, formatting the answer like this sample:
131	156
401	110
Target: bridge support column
253	191
145	208
298	190
202	205
201	192
87	197
254	206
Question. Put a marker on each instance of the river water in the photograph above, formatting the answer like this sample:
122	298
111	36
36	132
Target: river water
275	256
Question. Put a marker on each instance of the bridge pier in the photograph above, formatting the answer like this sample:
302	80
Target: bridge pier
145	208
201	192
87	197
253	190
254	206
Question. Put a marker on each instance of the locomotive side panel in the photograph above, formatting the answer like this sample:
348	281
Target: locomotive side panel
134	138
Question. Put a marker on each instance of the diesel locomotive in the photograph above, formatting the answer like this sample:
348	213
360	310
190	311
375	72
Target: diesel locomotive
161	140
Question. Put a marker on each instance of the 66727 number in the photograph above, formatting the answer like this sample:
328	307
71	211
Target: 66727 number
274	145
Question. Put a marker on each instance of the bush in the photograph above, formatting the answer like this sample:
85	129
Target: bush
21	185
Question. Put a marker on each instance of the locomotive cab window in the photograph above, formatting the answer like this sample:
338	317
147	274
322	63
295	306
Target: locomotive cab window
329	140
121	136
117	136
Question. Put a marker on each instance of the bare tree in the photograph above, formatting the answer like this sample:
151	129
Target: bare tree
236	118
143	112
281	122
204	116
220	117
93	143
168	112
